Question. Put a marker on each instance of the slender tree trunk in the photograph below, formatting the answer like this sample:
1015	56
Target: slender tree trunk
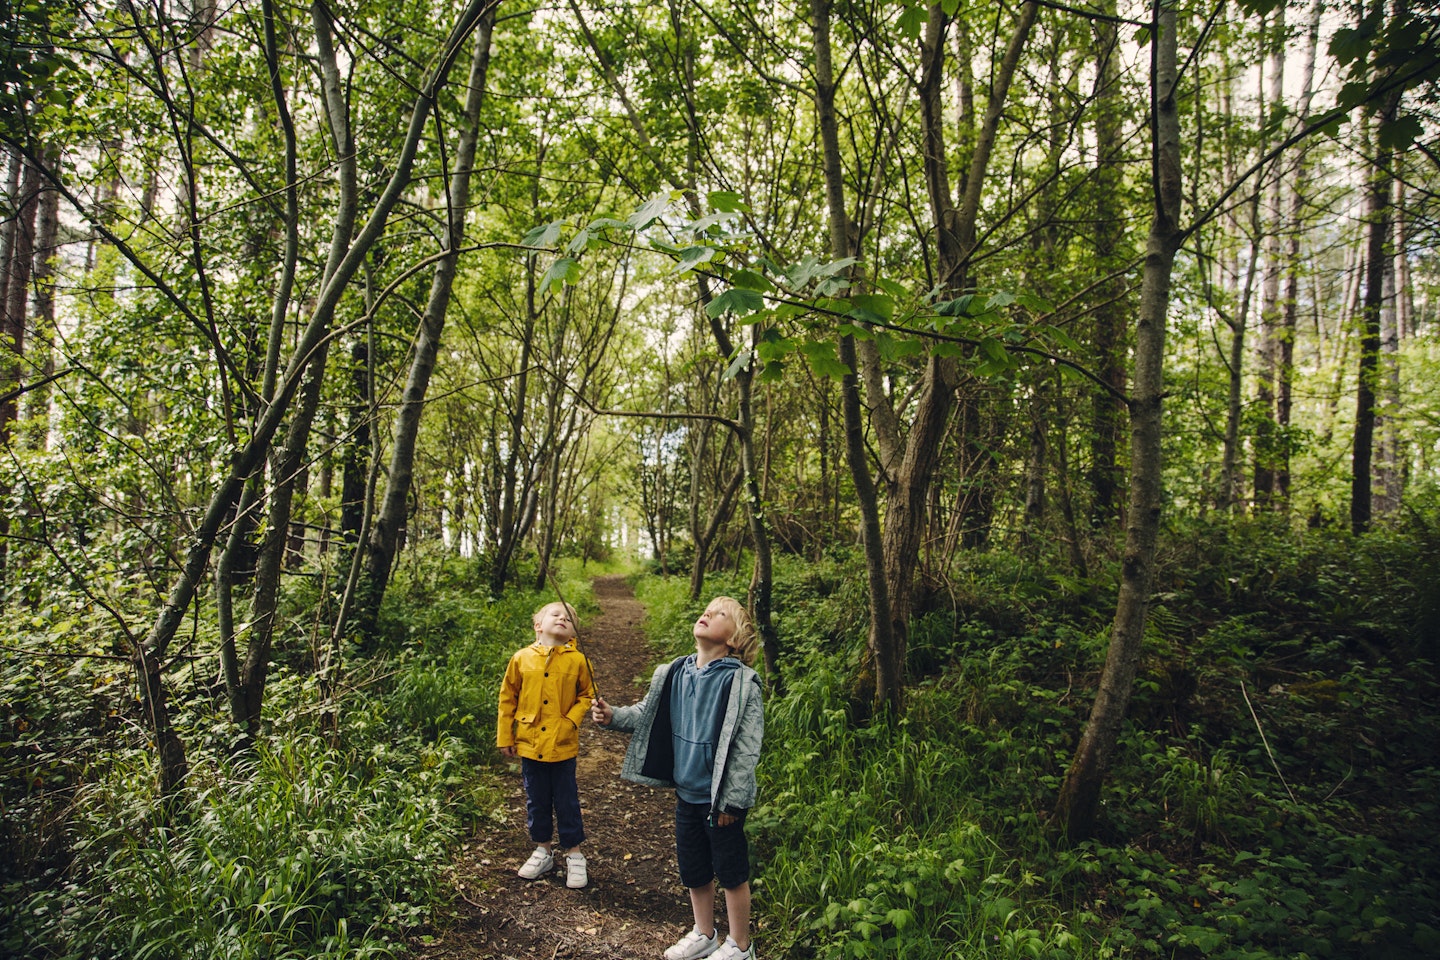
1388	469
1231	494
390	517
704	538
1284	389
19	244
1106	413
355	450
1078	804
1377	216
285	471
1267	439
37	408
880	682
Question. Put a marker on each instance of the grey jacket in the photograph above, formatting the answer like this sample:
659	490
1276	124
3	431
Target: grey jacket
732	782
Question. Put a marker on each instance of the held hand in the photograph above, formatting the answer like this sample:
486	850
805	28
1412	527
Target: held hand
600	711
724	819
508	752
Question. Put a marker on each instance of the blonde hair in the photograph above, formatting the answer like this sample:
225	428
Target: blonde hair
574	617
742	641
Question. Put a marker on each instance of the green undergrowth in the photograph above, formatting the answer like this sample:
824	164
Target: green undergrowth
1273	795
304	844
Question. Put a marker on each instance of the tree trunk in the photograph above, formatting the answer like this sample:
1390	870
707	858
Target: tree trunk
879	685
1284	388
19	250
1267	439
1231	494
1078	804
1106	413
704	538
1377	216
386	532
37	407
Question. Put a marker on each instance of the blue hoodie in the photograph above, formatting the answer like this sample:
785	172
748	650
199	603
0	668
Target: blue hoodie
697	708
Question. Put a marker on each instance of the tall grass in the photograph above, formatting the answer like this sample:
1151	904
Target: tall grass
293	853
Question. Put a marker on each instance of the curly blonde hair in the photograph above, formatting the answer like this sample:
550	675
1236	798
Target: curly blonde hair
742	642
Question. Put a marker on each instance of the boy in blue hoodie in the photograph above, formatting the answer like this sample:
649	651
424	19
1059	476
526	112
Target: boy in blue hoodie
698	729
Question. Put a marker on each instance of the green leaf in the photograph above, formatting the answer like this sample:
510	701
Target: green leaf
1398	134
1061	337
772	346
900	918
578	243
959	307
1348	45
820	355
564	270
751	280
740	363
726	201
872	307
1001	298
706	222
737	300
692	257
994	349
544	235
898	348
1352	94
892	287
1034	303
810	269
912	21
654	208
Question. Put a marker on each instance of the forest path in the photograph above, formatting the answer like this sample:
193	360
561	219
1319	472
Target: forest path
634	905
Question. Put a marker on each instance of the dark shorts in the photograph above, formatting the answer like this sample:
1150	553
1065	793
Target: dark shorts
706	852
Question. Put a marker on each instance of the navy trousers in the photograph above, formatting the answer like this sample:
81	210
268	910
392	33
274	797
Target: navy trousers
552	798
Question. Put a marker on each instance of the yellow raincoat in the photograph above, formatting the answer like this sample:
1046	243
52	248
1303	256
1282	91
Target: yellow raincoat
544	697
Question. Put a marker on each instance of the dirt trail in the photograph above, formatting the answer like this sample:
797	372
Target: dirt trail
634	906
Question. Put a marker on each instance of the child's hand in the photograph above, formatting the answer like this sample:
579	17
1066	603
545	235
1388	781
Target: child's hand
600	711
508	752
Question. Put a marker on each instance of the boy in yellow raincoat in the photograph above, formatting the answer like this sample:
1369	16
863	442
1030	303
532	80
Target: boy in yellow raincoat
547	690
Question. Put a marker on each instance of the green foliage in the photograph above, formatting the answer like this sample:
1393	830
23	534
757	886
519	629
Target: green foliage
299	852
1272	796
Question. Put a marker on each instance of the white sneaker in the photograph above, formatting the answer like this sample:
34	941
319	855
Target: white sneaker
731	951
576	874
538	865
693	946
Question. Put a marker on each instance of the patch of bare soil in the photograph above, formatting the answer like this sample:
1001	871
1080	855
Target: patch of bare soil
634	906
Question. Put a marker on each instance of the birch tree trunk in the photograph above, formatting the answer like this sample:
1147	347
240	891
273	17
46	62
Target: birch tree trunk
1284	388
1078	804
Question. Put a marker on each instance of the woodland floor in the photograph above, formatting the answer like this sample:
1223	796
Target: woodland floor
634	905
